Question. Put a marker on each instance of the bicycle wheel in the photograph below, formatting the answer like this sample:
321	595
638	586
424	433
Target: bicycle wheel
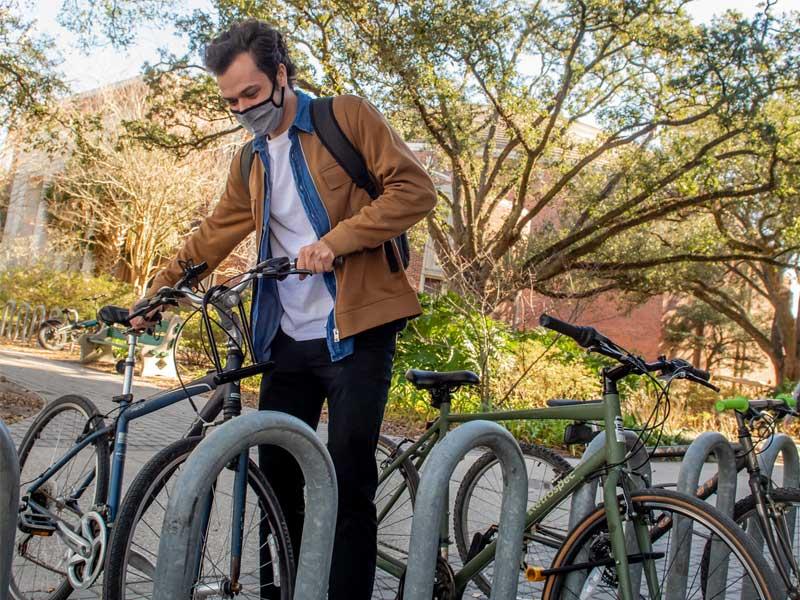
680	528
39	568
394	502
48	336
134	545
477	511
784	521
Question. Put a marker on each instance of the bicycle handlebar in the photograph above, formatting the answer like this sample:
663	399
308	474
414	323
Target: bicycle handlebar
594	341
783	403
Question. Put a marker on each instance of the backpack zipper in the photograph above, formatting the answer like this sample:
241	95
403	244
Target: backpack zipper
325	208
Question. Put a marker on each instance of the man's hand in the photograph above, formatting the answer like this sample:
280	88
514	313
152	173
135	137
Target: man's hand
141	323
316	257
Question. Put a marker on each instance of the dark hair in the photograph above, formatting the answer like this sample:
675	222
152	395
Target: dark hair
256	37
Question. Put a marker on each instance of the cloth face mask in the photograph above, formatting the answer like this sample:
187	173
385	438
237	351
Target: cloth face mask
262	118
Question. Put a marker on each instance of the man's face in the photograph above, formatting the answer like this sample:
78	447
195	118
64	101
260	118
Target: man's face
244	85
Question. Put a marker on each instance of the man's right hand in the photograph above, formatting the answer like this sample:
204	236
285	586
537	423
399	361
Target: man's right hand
148	320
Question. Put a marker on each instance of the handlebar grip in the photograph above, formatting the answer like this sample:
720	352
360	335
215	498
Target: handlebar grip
788	399
701	373
582	335
739	403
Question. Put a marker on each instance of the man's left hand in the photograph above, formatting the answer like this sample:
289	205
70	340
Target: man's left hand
316	257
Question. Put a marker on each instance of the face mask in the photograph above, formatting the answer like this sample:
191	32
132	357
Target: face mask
262	118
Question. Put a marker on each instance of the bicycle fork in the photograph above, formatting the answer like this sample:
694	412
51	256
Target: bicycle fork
780	548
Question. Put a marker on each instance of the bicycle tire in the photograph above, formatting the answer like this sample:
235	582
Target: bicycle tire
46	338
144	490
746	508
586	537
88	413
394	530
539	456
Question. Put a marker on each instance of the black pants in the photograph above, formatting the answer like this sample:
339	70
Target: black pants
356	389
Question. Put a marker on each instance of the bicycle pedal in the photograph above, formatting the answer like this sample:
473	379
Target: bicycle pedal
35	524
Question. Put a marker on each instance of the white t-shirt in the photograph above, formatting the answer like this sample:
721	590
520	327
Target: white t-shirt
306	304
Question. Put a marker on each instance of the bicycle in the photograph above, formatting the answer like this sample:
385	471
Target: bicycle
55	333
620	549
769	513
69	506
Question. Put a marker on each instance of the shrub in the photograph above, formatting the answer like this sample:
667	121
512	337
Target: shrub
40	285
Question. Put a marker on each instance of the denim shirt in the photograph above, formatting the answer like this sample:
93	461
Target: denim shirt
266	311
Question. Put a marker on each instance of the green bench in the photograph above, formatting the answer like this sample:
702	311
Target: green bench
156	350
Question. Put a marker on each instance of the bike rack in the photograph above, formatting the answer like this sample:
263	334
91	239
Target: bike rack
778	445
430	508
9	311
781	445
23	322
706	444
39	316
584	500
177	551
9	506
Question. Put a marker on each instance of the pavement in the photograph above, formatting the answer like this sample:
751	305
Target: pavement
54	378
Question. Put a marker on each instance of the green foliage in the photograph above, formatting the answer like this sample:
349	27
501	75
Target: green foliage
67	289
27	67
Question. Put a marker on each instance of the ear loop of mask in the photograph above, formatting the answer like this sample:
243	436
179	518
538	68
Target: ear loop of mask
267	101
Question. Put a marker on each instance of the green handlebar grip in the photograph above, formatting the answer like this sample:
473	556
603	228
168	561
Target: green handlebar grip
788	399
739	403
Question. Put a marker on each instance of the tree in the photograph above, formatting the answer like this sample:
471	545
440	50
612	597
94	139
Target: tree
127	205
27	65
498	88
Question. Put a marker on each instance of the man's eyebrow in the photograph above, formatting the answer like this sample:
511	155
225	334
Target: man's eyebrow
249	88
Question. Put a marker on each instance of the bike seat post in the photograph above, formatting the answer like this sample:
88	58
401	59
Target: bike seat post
130	363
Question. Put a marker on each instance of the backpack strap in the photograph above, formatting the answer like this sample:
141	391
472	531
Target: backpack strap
350	159
246	162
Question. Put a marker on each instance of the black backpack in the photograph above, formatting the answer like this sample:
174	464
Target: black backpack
349	158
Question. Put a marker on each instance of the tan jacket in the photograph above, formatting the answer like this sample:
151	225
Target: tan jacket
368	293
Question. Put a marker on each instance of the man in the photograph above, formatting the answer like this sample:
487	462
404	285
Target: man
332	335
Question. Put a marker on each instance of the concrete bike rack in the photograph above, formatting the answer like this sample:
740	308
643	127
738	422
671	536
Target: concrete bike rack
9	506
708	443
584	500
9	311
177	550
430	508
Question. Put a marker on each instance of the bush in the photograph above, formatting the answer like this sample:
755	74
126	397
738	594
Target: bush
40	285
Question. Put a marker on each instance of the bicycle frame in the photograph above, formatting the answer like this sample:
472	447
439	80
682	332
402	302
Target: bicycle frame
129	411
610	461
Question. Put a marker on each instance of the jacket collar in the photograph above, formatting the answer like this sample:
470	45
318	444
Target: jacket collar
302	119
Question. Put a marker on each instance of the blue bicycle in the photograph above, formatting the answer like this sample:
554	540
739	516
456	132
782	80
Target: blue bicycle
72	463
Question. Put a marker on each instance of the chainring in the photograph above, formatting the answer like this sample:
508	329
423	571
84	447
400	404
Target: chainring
444	583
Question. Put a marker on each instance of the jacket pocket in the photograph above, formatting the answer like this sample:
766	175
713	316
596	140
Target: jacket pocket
334	177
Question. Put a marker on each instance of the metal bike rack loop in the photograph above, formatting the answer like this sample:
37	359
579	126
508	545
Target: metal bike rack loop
706	444
9	311
180	538
584	500
39	317
430	508
9	506
23	322
781	445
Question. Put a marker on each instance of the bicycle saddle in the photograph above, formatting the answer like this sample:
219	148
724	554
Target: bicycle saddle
113	315
432	379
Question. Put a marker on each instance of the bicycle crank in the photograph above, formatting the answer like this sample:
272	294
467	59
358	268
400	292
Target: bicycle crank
444	583
85	562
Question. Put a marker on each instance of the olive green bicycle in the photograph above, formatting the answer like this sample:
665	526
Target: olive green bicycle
641	543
